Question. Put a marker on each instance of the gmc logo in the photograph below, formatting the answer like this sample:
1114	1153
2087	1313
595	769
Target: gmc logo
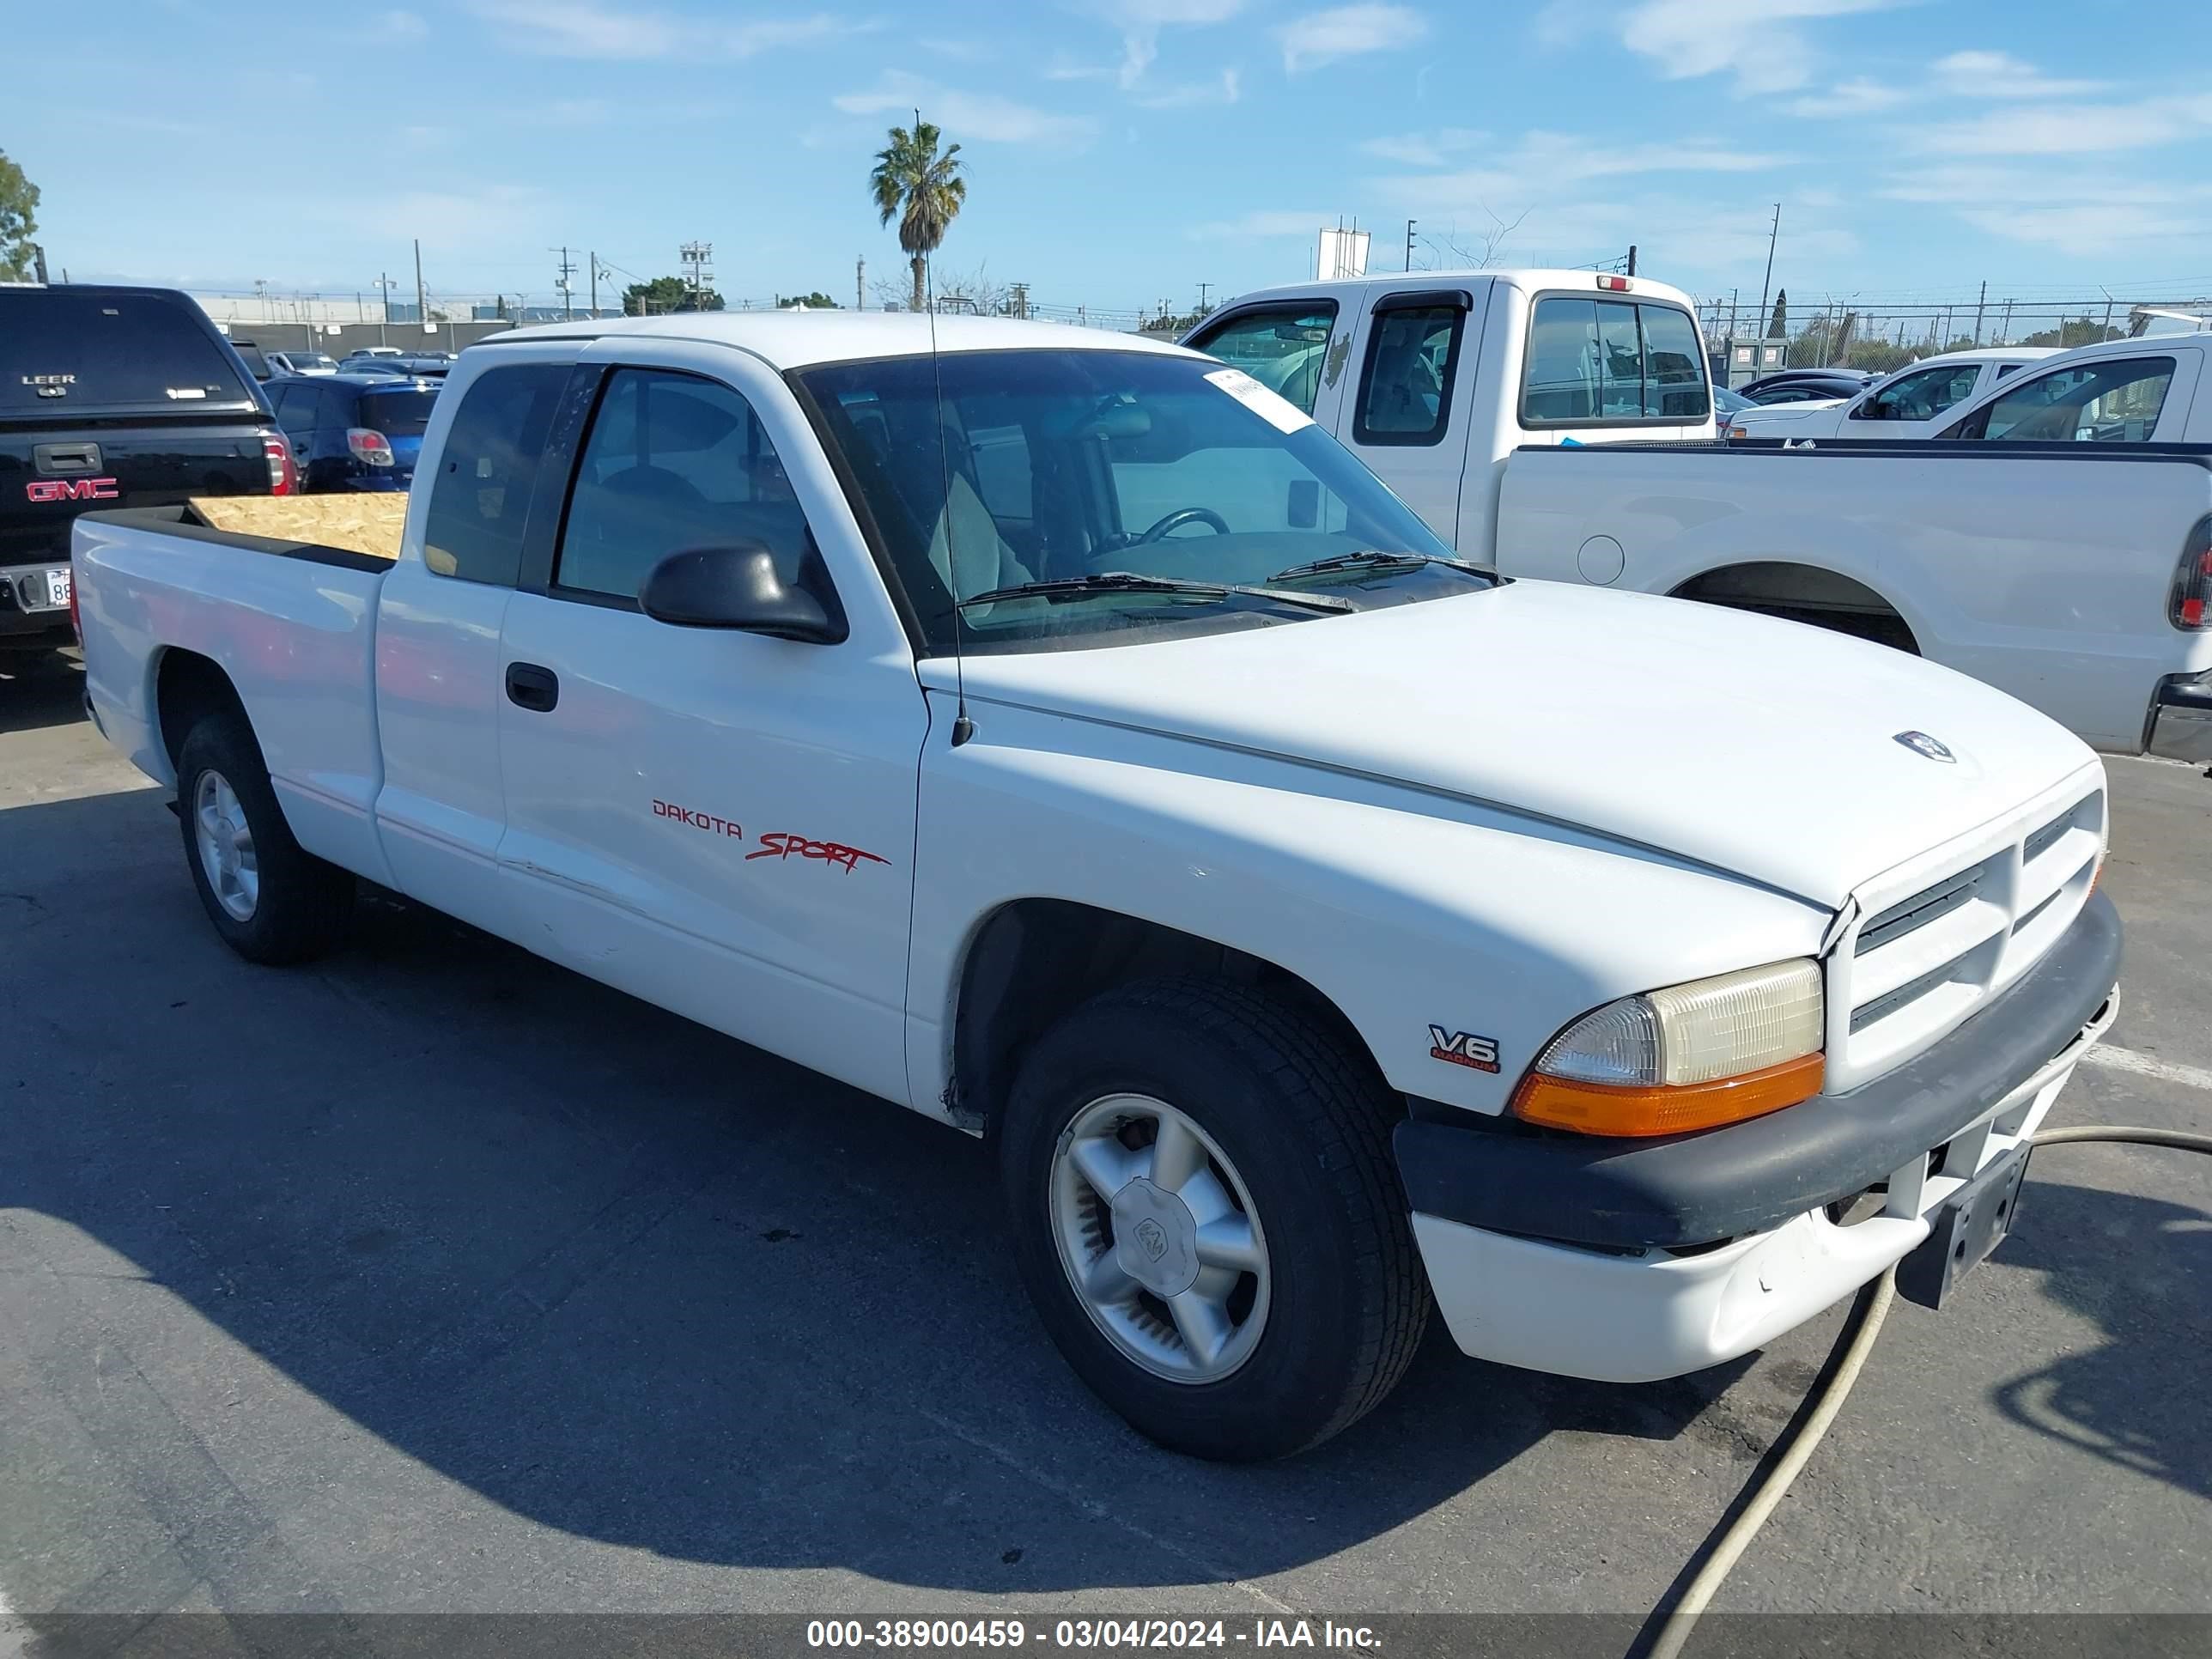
1464	1049
73	490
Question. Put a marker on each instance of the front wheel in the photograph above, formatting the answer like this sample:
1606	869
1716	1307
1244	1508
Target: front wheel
1208	1219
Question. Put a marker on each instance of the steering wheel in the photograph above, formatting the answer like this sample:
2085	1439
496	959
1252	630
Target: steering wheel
1183	516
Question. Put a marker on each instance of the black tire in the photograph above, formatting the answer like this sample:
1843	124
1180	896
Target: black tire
1306	1123
304	905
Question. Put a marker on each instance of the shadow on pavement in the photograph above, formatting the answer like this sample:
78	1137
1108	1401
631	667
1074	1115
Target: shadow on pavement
2136	1266
624	1277
39	689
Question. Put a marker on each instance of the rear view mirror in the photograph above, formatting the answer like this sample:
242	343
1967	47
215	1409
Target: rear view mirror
738	586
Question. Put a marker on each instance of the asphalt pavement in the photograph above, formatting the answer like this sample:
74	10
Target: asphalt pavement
434	1278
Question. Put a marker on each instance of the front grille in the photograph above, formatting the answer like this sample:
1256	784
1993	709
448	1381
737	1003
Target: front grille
1936	943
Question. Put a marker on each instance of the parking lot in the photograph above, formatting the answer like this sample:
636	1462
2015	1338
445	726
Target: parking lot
434	1278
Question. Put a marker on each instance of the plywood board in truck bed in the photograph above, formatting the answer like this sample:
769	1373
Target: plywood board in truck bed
359	522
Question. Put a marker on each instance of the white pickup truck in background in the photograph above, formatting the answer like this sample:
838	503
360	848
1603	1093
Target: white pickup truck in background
2069	564
1064	737
1915	402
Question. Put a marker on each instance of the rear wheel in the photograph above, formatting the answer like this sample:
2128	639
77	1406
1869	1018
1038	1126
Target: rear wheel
271	900
1208	1219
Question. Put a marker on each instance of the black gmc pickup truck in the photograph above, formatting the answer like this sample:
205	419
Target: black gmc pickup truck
111	398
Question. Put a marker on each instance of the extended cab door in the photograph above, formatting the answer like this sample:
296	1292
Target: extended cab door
1410	381
439	811
719	822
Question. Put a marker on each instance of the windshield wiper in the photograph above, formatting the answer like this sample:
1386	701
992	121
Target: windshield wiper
1370	559
1130	581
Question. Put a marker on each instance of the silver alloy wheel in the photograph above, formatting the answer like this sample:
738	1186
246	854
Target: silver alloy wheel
226	846
1159	1239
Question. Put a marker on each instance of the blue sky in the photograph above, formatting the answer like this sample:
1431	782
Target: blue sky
1124	151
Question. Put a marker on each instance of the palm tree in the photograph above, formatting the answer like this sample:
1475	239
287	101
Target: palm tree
923	189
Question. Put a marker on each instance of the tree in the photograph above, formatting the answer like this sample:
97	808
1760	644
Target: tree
922	188
19	201
665	293
817	301
1778	325
2073	331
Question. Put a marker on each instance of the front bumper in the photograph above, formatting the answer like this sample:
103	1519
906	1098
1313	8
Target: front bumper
2181	721
1629	1261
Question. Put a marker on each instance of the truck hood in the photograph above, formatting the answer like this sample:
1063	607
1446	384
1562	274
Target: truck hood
1766	748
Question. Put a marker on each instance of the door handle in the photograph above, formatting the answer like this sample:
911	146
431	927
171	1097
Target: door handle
529	686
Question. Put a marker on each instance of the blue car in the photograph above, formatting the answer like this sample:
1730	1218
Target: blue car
352	431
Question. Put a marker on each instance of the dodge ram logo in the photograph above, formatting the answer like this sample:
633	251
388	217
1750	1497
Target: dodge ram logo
1922	744
1153	1237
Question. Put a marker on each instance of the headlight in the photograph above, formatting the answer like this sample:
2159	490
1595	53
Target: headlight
1692	1056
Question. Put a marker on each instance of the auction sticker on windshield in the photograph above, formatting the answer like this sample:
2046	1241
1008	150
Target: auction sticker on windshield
1278	412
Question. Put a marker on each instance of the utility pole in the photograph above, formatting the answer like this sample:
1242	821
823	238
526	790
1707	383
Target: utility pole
422	300
592	258
1978	304
563	273
1410	223
695	256
2007	324
1202	306
1772	234
860	284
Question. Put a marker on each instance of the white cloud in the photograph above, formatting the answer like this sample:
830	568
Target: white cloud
1064	67
2000	75
1322	37
1196	95
1260	225
1858	97
400	26
2078	212
2072	129
450	221
1543	164
961	52
1141	21
969	117
581	29
1420	149
1751	39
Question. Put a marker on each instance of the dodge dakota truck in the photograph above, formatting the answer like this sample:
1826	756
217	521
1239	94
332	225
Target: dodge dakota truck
2054	538
1062	735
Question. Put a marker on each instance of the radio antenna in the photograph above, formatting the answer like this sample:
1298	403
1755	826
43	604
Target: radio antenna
962	727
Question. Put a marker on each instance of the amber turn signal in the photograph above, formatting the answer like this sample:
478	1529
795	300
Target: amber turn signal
1601	1108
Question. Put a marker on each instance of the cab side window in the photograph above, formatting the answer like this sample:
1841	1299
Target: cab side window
1281	347
1920	397
1406	386
480	501
2116	400
673	462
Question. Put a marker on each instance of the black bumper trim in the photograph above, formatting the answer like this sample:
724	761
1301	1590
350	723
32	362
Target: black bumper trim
1693	1189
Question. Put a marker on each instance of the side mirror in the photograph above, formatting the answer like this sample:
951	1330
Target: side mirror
738	586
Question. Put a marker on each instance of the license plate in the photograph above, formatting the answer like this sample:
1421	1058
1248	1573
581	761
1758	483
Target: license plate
57	589
1970	1223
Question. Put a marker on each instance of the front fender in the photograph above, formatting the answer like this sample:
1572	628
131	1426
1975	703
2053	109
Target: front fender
1406	909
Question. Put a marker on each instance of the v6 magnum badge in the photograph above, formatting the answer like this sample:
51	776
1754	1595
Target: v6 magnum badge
1464	1049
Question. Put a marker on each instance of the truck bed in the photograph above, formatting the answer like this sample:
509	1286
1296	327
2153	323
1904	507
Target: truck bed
2044	569
291	622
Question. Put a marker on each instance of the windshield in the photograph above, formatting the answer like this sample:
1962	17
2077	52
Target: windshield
1057	466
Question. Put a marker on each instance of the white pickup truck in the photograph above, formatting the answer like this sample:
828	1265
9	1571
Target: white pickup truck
2054	540
1064	737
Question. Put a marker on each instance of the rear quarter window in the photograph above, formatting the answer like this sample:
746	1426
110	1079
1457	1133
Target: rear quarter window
480	500
64	353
